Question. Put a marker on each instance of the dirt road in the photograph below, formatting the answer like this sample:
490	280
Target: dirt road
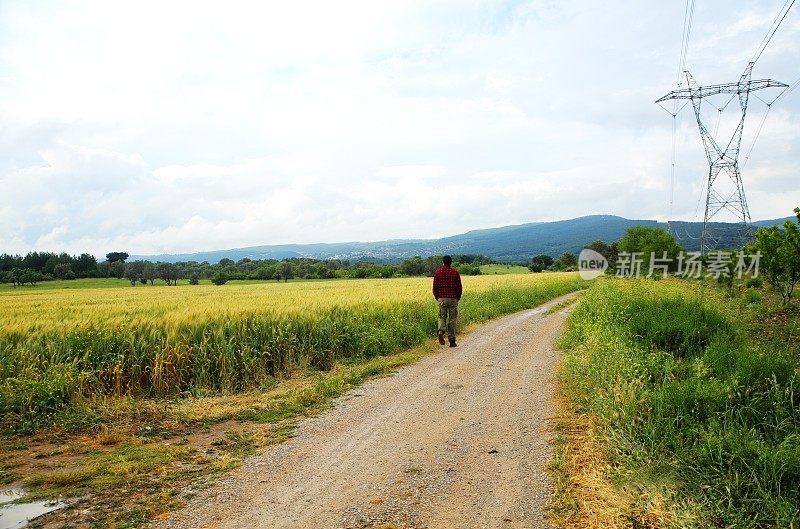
457	440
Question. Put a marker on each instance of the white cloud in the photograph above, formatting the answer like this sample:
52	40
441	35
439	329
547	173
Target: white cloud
155	127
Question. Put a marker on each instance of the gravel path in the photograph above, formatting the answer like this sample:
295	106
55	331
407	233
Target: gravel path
456	440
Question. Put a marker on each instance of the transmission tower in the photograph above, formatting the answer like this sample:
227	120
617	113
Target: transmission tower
726	193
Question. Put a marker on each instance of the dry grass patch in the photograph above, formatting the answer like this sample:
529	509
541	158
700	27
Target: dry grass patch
585	497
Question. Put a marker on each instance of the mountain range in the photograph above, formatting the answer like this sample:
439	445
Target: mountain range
516	243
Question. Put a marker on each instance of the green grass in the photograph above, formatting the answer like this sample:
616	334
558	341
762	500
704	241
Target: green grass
65	284
491	269
697	411
106	469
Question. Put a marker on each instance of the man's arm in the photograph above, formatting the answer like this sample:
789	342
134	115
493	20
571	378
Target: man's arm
458	285
435	286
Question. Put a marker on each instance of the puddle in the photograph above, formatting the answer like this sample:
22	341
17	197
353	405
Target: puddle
17	515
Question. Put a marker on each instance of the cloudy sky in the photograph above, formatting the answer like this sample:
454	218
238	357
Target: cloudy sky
154	127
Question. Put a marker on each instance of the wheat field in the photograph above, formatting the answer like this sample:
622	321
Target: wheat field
161	340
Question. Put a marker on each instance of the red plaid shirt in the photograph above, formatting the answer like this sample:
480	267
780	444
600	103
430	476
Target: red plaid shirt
446	283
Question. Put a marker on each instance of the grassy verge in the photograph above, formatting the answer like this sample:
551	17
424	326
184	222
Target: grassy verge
680	409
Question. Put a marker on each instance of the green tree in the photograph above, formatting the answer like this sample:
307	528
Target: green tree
540	262
169	273
149	273
413	267
28	276
113	257
566	261
8	262
14	276
134	272
609	251
219	278
264	272
324	270
287	272
85	265
62	270
417	266
780	256
246	265
116	269
50	265
37	260
103	269
652	243
600	247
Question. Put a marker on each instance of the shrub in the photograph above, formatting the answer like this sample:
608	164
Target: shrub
754	282
751	296
468	269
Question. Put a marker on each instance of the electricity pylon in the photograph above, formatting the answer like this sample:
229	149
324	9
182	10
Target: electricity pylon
723	194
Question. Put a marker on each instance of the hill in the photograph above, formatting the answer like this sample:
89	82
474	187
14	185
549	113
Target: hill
507	243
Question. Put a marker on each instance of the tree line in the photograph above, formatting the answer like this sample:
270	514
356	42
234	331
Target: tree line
44	266
636	239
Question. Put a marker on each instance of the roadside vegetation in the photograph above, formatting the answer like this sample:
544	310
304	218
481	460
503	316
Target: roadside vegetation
681	401
151	390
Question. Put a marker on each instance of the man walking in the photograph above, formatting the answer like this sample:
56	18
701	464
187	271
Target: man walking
447	291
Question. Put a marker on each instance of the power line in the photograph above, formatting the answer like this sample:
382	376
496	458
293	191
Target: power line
785	92
762	46
796	84
765	44
788	90
758	133
672	177
688	36
688	18
774	20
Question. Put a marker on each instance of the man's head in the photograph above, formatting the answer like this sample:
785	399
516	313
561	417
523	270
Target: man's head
447	260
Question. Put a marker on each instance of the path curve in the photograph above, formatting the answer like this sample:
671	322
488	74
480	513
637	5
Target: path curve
457	440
